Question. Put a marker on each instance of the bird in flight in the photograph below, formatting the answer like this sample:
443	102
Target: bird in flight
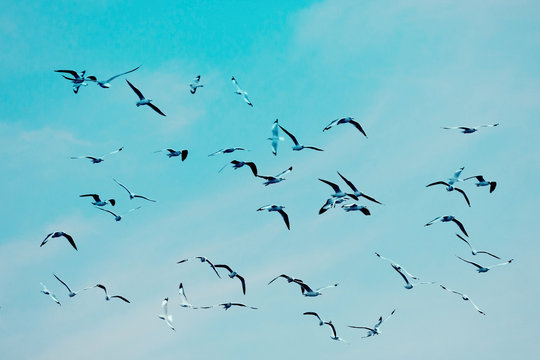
238	164
483	269
165	315
483	182
465	298
241	92
77	79
194	85
97	159
345	120
143	100
172	153
107	83
297	146
279	209
355	207
275	137
107	297
356	192
98	201
409	285
475	252
233	274
276	178
375	329
51	295
470	130
133	195
119	217
59	234
334	335
70	292
448	218
321	322
202	259
226	151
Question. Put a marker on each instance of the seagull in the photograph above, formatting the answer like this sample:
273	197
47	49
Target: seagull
97	159
51	295
375	330
334	337
345	120
297	146
409	285
337	191
307	291
482	269
483	182
202	259
132	195
234	274
107	297
399	267
321	323
356	191
143	100
275	179
289	279
464	297
448	218
238	164
226	151
98	201
228	305
195	84
451	188
119	217
455	178
279	209
107	83
474	252
275	137
71	293
183	299
332	202
164	314
241	92
58	234
470	130
78	80
356	207
172	152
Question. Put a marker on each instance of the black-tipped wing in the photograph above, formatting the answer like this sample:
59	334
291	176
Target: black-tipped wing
63	283
357	125
94	196
70	239
213	267
313	148
139	94
285	218
477	177
243	281
121	298
290	135
461	227
492	186
109	211
488	253
361	327
334	186
438	183
144	197
400	273
252	166
370	199
350	184
71	72
184	154
333	328
470	262
124	73
125	188
224	266
277	277
45	240
156	109
464	195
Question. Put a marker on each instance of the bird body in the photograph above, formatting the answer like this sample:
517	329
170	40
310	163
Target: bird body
470	130
484	182
50	294
241	92
98	201
165	315
194	85
276	178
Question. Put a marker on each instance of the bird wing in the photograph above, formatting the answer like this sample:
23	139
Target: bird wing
326	287
265	207
156	109
139	94
333	328
334	122
370	198
246	99
361	327
109	211
45	240
216	152
243	281
290	135
501	264
144	197
476	307
464	195
130	210
492	186
400	273
125	188
275	131
213	267
71	72
184	155
357	125
164	306
477	177
488	253
434	220
235	83
70	239
284	172
350	184
277	277
114	152
460	226
57	278
224	266
334	186
438	183
121	298
462	238
285	218
103	288
313	148
252	166
313	313
470	262
94	196
124	73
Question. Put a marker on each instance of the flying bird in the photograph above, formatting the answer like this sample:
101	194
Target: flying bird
483	182
70	292
58	234
357	193
143	100
234	274
275	179
50	294
448	218
98	201
226	151
279	209
474	252
238	164
409	285
345	120
202	259
77	79
356	207
483	269
275	137
395	264
97	159
465	298
164	314
331	203
321	323
241	92
194	85
307	291
297	146
228	305
451	188
375	330
183	299
171	153
133	195
334	336
337	191
470	130
107	297
289	279
119	217
107	83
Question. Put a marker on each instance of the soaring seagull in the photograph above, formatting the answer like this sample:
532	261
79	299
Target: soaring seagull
172	153
58	234
279	209
375	329
483	269
276	178
357	193
395	264
355	207
107	297
483	182
307	291
465	297
165	315
470	130
97	159
119	217
194	85
77	79
297	146
409	285
133	195
448	218
345	120
337	191
227	306
107	83
475	252
238	164
233	274
98	201
143	100
70	292
202	259
241	92
226	151
275	137
451	188
51	295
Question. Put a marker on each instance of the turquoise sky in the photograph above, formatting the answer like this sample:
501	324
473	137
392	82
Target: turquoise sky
403	69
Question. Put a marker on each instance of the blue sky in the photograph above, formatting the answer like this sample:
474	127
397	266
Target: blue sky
403	69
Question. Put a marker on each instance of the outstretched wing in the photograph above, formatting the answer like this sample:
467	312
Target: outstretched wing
285	218
124	73
357	125
139	94
290	135
156	109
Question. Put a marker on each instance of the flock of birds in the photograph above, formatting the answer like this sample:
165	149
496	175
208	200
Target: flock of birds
348	200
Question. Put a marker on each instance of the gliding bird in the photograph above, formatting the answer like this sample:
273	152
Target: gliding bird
143	100
234	274
107	297
107	83
97	159
98	201
321	323
483	182
58	234
297	146
409	285
397	266
356	207
356	191
275	137
133	195
119	217
238	164
448	218
307	291
483	269
345	120
241	92
474	252
337	191
195	84
279	209
71	293
470	130
275	179
78	80
451	188
202	259
183	299
171	153
164	314
51	295
226	151
375	330
466	298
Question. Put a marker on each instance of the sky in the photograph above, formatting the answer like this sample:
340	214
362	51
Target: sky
402	69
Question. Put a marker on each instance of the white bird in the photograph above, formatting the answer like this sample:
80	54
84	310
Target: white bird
397	266
119	217
483	269
456	177
279	209
331	203
227	306
297	146
51	295
334	336
226	151
133	195
241	92
474	252
171	153
107	83
78	79
97	159
194	85
409	285
321	322
275	179
345	120
98	201
143	100
238	164
58	234
70	292
464	297
470	130
357	193
275	137
483	182
307	291
337	191
356	207
233	274
107	297
448	218
164	314
183	299
202	259
375	330
451	188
